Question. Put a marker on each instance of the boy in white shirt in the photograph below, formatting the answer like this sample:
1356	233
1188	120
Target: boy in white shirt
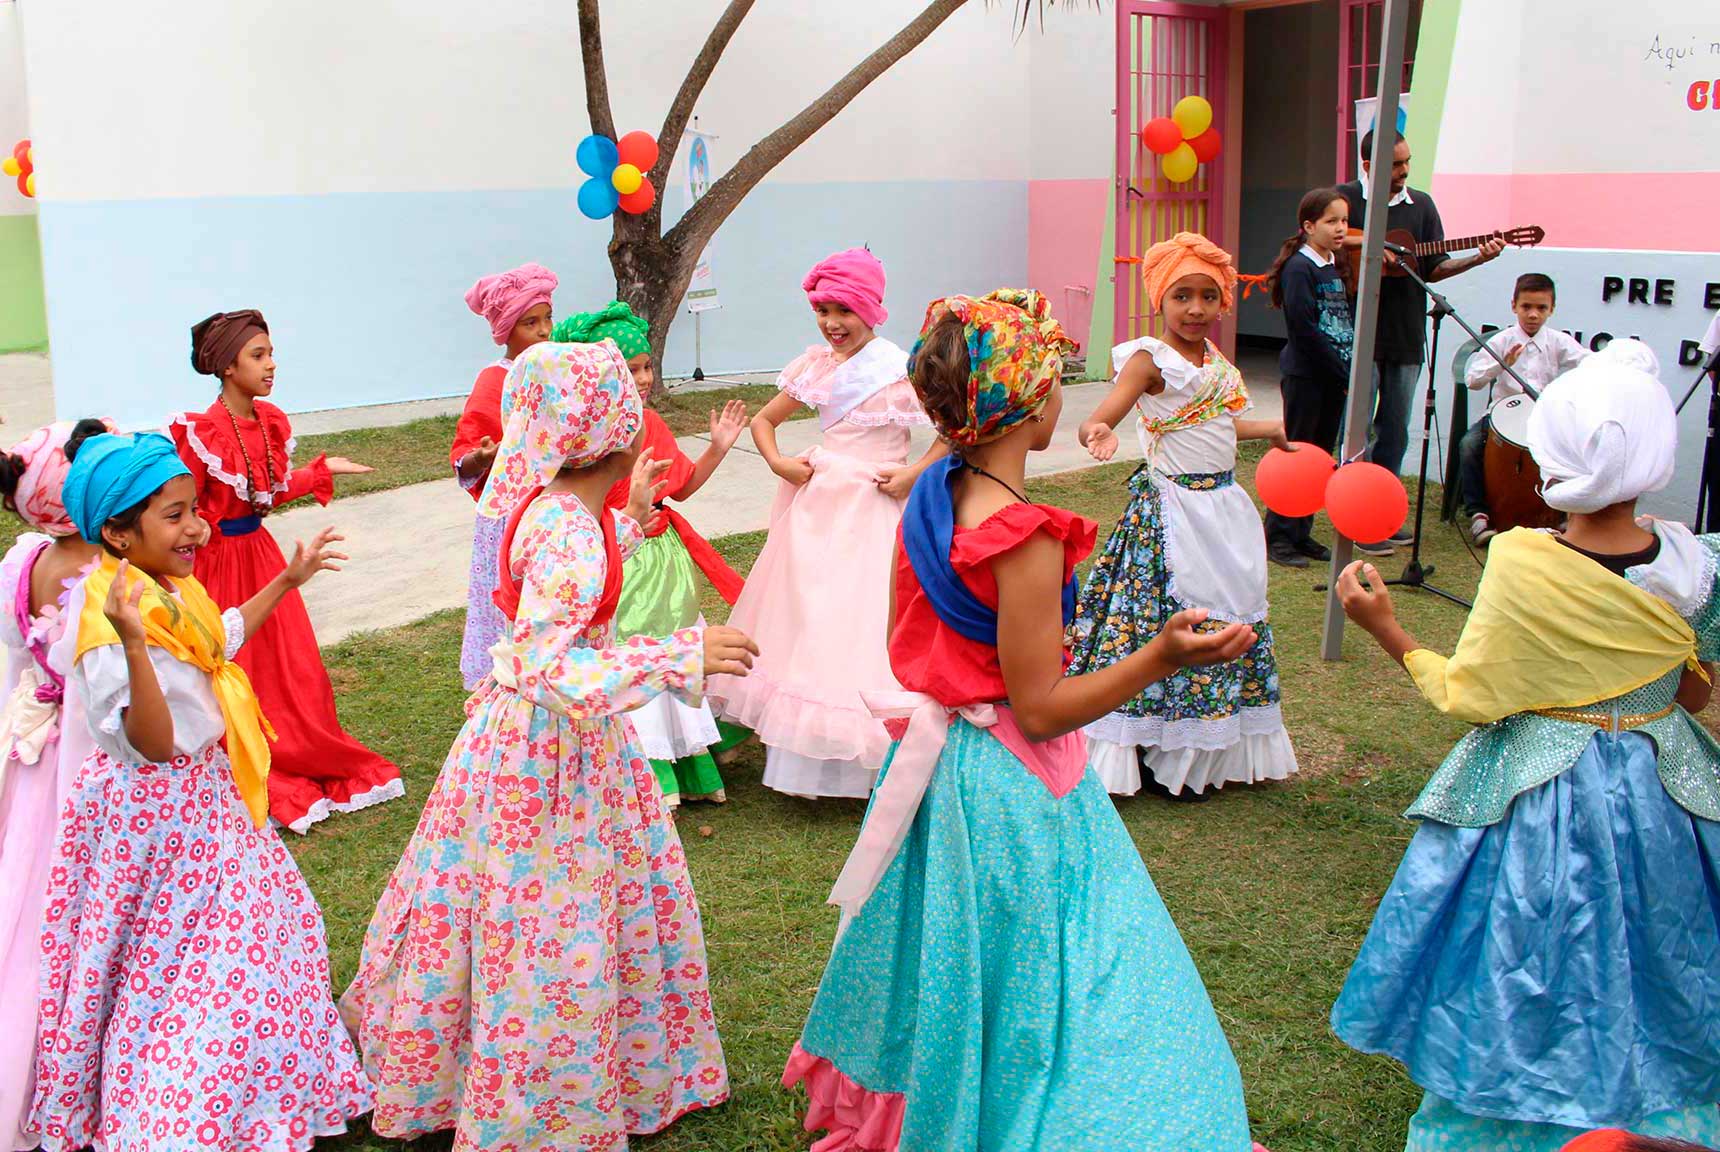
1538	354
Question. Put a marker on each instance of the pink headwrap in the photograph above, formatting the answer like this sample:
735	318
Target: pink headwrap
853	279
38	498
503	298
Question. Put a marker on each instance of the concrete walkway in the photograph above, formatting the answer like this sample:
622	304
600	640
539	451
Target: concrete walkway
411	546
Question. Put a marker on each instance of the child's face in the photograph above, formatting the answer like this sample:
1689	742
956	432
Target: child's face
845	332
644	374
1328	232
1191	307
253	373
166	538
1532	309
535	327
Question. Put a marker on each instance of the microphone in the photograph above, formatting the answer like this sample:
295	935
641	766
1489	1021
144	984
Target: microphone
1398	249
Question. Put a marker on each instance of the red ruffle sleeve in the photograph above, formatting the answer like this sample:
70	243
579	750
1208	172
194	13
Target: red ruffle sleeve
481	417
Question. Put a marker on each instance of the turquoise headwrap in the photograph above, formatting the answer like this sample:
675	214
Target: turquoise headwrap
112	473
614	321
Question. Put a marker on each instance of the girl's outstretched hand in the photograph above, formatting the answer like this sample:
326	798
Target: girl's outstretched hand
728	651
341	466
1100	439
317	557
1181	645
1364	597
727	425
122	606
649	480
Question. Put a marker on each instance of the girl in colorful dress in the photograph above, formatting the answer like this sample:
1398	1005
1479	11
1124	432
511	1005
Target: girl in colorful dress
516	305
240	453
42	738
185	983
817	597
1190	538
659	589
534	976
1547	959
1006	976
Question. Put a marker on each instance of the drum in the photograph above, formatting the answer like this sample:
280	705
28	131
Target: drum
1513	480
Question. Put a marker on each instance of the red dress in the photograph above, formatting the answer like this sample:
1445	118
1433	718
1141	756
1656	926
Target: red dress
481	417
315	767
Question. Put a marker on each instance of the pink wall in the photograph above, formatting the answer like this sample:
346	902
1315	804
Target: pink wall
1616	211
1065	226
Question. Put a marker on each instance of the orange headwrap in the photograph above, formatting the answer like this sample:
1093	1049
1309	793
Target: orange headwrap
1187	254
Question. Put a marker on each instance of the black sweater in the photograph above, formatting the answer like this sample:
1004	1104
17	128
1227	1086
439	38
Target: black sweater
1401	334
1317	320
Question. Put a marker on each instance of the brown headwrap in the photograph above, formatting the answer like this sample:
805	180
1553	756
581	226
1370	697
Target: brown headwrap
217	341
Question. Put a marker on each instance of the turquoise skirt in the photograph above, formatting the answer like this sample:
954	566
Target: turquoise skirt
1015	983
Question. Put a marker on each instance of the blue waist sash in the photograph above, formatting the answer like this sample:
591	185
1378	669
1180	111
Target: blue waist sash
241	526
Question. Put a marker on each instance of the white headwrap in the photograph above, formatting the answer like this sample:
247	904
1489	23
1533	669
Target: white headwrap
1604	432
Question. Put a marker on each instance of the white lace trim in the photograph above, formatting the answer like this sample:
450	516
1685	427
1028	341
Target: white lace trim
233	624
1179	375
324	808
1252	760
240	485
1682	574
1207	735
836	390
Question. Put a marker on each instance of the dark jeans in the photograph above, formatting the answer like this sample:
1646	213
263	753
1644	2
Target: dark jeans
1472	477
1313	413
1395	392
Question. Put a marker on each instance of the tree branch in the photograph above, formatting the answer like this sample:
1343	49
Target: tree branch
693	86
704	217
596	77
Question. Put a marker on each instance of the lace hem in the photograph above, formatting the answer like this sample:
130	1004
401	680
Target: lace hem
1213	735
217	467
901	419
1254	759
324	808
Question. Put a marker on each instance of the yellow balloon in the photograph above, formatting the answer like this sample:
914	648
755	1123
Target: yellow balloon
30	185
1193	115
1179	164
627	179
10	166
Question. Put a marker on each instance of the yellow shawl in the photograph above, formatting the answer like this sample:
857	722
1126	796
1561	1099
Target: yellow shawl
189	628
1551	629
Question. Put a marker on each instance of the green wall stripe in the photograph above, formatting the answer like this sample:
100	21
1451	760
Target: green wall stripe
23	314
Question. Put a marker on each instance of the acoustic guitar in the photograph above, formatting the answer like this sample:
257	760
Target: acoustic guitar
1523	237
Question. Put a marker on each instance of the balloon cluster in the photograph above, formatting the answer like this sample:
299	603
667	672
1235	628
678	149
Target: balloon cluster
617	172
1366	502
1184	140
21	165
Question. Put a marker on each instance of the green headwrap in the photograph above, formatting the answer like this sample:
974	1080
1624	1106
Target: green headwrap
614	321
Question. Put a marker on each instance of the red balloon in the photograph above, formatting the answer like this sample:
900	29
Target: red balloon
1206	145
21	151
1294	483
1366	502
639	150
1161	135
640	200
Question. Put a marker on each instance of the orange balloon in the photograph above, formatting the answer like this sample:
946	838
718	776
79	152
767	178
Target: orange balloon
640	199
1366	502
639	150
1294	483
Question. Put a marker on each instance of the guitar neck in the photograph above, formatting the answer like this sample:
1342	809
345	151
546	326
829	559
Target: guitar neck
1460	244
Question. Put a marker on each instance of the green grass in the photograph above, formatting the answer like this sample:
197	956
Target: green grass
1272	886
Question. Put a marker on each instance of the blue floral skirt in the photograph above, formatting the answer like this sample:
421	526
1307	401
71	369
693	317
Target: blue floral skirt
1558	968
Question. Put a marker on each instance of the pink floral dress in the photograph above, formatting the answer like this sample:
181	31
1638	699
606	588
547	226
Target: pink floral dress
534	976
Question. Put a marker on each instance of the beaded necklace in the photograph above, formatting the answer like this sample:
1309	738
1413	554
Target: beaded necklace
260	502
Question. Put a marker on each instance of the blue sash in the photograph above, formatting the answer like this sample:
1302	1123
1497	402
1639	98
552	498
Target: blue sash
928	531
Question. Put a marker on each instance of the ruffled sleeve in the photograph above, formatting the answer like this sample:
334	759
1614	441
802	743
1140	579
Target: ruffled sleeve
808	376
1705	621
1008	528
191	439
11	575
314	479
481	417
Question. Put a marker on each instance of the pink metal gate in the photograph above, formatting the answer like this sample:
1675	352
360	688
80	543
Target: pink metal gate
1165	51
1359	69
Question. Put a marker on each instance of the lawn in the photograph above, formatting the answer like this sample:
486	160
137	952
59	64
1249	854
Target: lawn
1271	886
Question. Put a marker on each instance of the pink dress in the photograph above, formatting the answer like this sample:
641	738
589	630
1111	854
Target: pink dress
818	598
40	752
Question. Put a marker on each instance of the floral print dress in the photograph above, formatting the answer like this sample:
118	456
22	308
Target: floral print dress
534	976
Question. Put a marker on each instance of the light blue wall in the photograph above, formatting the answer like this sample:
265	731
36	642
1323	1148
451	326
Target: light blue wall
364	292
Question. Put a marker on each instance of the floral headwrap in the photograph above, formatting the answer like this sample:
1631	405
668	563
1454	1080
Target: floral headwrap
614	321
562	404
1016	352
1187	254
43	456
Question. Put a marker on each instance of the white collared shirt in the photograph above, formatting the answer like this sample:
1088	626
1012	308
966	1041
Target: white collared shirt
1402	196
1320	261
1711	341
1546	355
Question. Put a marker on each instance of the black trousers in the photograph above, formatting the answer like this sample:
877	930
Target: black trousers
1313	413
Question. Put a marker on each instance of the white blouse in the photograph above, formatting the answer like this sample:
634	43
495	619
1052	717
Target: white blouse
102	680
1208	447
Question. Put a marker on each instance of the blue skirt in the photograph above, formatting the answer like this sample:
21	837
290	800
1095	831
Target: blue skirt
1015	982
1560	967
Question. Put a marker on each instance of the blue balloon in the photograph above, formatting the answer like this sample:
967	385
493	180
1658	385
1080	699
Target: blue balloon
597	156
1403	118
598	198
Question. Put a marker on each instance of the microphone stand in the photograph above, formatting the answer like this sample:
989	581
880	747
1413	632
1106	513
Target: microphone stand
1415	573
1708	489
